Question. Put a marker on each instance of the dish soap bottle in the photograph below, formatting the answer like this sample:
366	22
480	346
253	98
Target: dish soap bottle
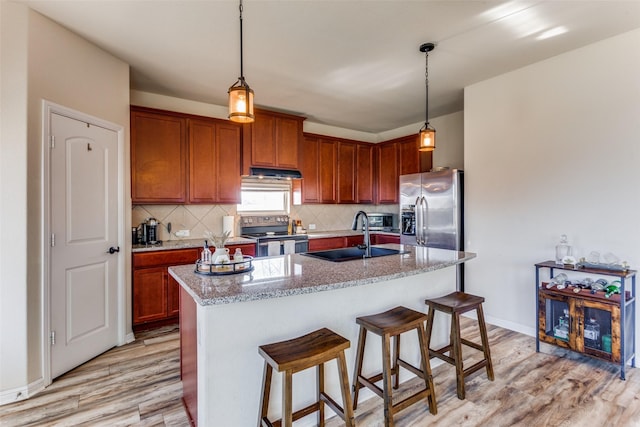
205	258
562	249
237	256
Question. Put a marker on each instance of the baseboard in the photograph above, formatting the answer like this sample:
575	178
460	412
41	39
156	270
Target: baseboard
512	326
21	393
129	338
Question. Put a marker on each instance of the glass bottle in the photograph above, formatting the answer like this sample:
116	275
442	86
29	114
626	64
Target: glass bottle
592	334
562	249
561	330
237	256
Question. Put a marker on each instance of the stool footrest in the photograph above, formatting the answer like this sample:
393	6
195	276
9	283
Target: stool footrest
332	404
471	369
471	344
410	400
411	368
370	383
439	355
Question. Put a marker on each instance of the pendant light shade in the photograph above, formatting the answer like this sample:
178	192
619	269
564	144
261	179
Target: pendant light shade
240	94
427	132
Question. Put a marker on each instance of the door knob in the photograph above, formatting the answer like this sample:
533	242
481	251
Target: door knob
113	250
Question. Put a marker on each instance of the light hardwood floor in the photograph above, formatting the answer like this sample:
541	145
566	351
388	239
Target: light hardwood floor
138	384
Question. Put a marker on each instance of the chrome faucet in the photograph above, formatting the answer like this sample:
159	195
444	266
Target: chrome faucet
365	224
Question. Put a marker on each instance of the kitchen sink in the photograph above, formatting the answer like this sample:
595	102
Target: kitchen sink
349	254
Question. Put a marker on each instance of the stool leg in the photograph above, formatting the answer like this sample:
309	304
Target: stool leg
287	409
429	330
344	388
386	380
485	342
320	380
396	356
456	346
358	369
426	369
266	390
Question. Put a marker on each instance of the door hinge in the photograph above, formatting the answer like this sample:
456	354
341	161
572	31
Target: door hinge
53	240
53	338
52	141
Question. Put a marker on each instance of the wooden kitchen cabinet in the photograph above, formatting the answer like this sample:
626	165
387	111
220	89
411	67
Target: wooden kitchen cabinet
214	161
154	292
409	155
347	172
245	248
388	173
355	240
379	239
310	169
587	323
158	157
364	171
326	243
182	158
327	157
272	141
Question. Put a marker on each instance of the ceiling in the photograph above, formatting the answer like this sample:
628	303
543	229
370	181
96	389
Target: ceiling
350	64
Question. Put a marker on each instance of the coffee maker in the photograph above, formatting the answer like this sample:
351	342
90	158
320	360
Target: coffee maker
149	231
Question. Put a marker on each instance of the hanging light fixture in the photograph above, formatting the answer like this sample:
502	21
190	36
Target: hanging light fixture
240	94
427	132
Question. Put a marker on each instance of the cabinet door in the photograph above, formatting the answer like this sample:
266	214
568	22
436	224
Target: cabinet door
364	173
149	294
214	162
346	172
385	238
409	155
327	170
202	162
388	181
556	323
287	141
310	170
158	158
263	140
228	163
326	243
599	333
356	240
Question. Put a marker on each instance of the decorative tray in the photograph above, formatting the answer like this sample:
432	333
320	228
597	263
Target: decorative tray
233	267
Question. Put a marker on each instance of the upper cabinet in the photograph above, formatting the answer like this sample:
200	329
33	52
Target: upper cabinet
272	141
158	157
336	170
180	158
214	161
398	157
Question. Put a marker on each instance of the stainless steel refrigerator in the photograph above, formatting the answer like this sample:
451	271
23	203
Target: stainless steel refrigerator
432	212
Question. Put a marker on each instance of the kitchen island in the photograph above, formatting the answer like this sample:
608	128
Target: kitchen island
223	320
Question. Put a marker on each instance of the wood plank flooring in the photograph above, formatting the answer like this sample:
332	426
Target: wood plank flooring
139	385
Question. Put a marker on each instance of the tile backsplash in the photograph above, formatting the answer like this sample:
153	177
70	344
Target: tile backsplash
200	218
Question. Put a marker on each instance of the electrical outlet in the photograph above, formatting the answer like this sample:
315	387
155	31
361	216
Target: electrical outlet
312	226
183	233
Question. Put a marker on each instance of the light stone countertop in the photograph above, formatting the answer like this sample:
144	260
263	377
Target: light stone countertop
286	275
168	245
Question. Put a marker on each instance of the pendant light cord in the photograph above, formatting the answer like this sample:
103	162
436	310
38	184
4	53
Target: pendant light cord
241	64
426	86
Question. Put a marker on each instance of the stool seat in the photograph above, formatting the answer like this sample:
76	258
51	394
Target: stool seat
304	352
390	324
295	355
455	304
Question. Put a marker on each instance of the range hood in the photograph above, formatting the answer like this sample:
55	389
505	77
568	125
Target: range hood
275	173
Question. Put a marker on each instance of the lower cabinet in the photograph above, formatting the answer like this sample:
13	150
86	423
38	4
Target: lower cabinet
326	243
379	239
155	296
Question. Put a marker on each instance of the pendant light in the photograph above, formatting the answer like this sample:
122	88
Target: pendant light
240	94
427	132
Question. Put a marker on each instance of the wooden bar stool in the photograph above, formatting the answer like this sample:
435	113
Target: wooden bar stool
455	304
389	324
313	349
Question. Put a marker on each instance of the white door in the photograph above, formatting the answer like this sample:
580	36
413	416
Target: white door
84	226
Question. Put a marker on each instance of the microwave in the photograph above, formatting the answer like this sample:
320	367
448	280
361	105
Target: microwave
379	221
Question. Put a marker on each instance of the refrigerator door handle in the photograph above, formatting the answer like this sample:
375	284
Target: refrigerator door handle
418	219
423	222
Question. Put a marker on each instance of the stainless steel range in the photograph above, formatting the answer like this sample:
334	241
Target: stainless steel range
270	229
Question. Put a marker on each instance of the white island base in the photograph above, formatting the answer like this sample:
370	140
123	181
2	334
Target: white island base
221	367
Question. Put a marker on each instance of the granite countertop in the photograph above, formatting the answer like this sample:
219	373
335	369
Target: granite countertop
294	274
187	243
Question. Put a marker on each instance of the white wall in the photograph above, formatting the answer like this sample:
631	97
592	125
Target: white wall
551	149
56	65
